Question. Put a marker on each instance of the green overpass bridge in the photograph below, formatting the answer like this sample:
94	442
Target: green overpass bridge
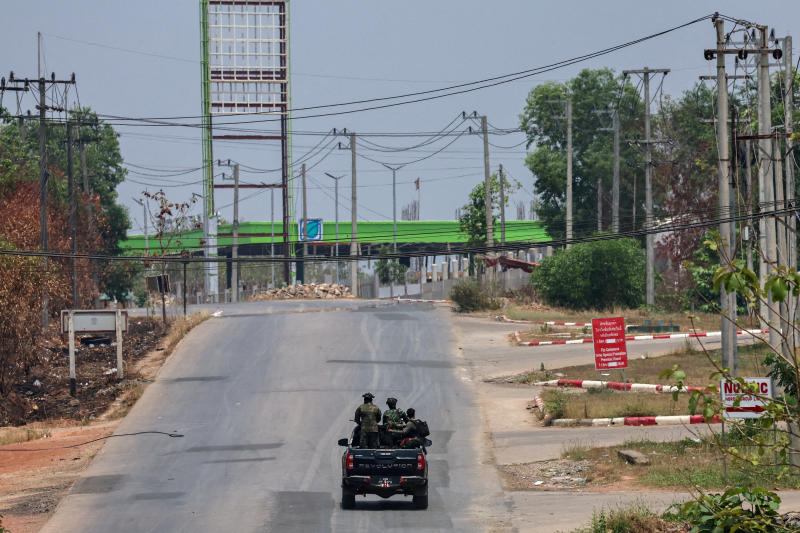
435	237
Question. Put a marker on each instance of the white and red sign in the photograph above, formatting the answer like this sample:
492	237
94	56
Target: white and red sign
751	402
608	335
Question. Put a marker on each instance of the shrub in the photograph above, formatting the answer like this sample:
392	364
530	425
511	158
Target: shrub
555	403
593	275
735	509
470	295
634	519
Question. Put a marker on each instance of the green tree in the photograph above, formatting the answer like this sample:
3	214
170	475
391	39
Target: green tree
544	123
473	214
389	270
104	172
593	275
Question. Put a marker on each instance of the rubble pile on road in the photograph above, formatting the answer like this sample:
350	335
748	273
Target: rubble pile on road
546	474
305	292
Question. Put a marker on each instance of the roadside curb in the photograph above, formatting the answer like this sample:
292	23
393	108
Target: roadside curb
631	338
615	385
413	300
504	318
667	420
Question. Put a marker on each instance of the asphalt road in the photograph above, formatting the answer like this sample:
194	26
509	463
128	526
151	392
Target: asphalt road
261	398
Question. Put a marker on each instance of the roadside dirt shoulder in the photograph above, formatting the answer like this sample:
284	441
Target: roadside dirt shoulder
36	474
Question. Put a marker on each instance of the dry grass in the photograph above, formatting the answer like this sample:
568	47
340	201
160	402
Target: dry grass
179	327
15	435
611	404
694	362
702	321
686	464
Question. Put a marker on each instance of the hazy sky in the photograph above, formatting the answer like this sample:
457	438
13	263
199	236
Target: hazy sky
348	50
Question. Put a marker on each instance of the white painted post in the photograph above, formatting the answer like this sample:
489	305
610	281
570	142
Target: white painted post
444	270
71	327
118	321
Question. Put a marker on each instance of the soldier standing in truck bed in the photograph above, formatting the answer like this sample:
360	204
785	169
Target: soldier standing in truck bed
393	419
367	417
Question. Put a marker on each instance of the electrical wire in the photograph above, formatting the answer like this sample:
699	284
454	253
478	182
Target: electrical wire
172	435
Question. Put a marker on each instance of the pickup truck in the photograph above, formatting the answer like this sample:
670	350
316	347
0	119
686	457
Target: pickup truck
385	472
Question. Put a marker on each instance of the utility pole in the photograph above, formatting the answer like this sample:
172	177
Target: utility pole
502	207
336	211
646	73
305	222
791	228
144	223
788	114
43	192
235	247
727	301
234	273
272	234
354	220
487	184
42	107
766	191
90	207
72	210
569	171
568	108
615	186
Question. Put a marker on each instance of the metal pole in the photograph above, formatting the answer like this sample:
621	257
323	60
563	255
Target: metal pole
648	196
272	233
89	207
71	330
615	187
353	224
305	220
502	207
235	247
394	210
120	363
790	231
43	193
72	212
336	211
788	108
184	288
569	171
723	195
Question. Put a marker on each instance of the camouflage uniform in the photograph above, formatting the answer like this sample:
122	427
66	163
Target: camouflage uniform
367	417
410	436
393	421
394	418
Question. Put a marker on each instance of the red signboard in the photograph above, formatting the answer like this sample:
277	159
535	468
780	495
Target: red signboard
610	351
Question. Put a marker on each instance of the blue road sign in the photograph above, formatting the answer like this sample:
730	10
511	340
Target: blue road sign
310	229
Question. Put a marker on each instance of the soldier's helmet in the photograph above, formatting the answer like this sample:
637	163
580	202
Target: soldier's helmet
368	395
391	402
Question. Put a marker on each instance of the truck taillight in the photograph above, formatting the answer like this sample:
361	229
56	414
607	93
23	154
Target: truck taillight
420	461
349	461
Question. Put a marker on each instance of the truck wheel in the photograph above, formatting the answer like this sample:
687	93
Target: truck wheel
348	498
420	499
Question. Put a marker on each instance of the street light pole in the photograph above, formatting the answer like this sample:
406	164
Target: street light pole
336	211
394	217
394	203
